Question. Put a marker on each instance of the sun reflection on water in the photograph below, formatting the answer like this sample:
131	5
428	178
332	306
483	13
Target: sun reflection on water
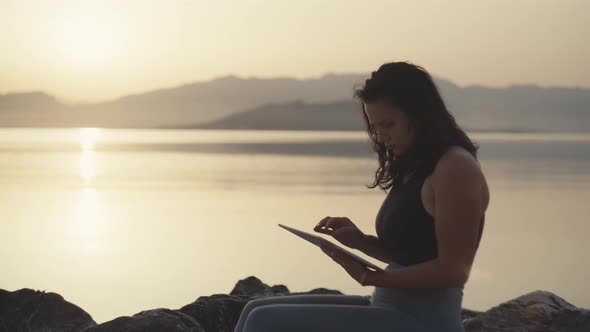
87	216
88	138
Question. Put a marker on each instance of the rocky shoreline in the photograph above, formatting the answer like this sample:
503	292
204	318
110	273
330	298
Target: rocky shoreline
30	310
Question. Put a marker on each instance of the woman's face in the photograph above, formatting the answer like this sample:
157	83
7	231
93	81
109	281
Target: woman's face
392	124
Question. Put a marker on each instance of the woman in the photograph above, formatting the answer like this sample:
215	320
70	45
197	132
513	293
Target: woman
428	228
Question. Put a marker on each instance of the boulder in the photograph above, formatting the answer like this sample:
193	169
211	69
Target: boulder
27	310
534	311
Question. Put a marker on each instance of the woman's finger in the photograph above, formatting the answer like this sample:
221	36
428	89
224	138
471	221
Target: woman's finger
333	222
338	222
322	227
322	222
324	231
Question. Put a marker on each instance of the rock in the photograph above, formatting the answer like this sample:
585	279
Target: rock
253	287
156	320
215	313
221	312
468	313
535	311
29	310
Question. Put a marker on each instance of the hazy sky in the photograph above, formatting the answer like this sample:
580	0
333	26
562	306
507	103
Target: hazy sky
95	50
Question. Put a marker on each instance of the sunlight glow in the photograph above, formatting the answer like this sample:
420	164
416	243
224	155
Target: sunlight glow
85	42
87	165
88	138
86	222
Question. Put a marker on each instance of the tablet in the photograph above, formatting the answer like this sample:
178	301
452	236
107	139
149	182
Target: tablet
318	240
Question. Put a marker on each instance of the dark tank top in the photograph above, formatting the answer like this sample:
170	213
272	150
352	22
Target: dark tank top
404	226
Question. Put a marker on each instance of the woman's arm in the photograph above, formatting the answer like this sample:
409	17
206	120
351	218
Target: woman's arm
457	184
373	247
459	204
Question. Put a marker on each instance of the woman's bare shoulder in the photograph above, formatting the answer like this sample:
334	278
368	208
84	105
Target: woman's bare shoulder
458	167
458	158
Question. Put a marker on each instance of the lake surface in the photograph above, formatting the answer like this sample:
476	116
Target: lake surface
119	221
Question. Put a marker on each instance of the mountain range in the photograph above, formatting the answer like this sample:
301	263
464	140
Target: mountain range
323	103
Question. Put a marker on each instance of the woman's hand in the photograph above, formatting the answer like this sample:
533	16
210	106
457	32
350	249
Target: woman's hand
354	268
343	230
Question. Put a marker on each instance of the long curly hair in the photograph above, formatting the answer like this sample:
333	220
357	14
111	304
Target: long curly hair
410	88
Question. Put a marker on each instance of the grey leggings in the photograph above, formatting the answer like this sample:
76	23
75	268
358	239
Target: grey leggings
322	312
388	309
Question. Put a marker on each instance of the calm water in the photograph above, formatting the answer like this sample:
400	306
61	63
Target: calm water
119	221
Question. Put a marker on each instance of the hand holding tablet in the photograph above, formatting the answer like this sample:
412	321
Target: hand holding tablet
320	241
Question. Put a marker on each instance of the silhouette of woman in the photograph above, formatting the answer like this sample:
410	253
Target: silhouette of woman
428	228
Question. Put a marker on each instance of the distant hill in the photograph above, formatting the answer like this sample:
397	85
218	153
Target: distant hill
296	115
524	108
323	103
187	104
205	101
33	109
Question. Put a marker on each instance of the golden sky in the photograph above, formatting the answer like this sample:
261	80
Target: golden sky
84	50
